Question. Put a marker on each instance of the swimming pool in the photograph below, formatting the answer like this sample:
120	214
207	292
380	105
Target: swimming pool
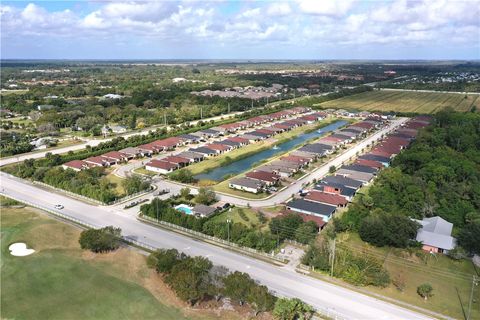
184	208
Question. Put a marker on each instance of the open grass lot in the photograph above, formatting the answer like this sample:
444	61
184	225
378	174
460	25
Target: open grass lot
249	217
119	190
420	102
451	280
61	281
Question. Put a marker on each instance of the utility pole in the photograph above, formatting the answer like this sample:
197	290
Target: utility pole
201	112
252	103
164	118
333	257
156	205
474	283
228	230
228	108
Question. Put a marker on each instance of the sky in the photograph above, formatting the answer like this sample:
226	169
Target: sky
296	29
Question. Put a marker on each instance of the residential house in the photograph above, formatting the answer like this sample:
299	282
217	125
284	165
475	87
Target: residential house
99	161
117	156
314	208
435	235
179	161
356	175
160	166
75	165
336	188
326	198
207	152
247	184
268	178
193	156
201	210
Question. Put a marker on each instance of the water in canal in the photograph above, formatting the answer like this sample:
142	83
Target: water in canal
244	164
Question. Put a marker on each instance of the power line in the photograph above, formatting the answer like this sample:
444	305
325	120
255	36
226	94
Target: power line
372	251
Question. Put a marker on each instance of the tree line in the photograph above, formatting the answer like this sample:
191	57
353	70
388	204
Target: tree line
290	226
196	279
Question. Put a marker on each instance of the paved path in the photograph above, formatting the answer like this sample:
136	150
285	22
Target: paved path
283	281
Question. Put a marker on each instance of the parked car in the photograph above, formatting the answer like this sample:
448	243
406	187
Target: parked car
162	192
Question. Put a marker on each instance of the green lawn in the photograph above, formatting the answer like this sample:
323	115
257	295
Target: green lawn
60	281
144	171
119	190
450	279
250	219
407	101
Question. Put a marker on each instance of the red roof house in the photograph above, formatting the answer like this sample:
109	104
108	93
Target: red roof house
326	198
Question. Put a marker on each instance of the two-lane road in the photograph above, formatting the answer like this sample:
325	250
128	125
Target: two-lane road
285	282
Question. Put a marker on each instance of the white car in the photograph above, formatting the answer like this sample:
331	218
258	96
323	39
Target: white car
59	206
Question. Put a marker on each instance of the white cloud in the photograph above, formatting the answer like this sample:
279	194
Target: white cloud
279	9
312	24
335	8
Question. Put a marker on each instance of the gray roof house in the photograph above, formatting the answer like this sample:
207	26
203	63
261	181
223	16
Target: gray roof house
203	210
314	208
348	182
356	175
246	184
435	235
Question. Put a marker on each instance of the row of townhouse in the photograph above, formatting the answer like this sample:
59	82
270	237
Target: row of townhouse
147	150
268	175
336	191
197	154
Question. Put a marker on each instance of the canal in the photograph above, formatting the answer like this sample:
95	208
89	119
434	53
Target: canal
244	164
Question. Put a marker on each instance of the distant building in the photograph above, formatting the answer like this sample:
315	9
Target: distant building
113	129
112	96
44	107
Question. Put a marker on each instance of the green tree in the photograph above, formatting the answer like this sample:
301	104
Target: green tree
306	232
260	299
134	184
425	290
238	286
100	240
469	238
189	278
205	196
292	309
163	260
185	192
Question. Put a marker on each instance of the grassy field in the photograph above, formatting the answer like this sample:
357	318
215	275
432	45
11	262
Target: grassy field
61	281
451	280
420	102
249	219
119	190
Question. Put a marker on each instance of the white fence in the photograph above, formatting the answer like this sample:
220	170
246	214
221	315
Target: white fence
79	196
214	239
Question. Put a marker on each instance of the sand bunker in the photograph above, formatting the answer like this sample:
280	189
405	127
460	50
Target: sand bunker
19	249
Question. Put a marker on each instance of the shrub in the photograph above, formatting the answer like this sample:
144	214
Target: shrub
425	290
100	240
